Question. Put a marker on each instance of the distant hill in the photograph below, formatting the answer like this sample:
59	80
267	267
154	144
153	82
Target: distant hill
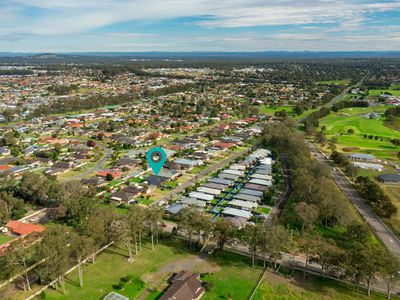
208	55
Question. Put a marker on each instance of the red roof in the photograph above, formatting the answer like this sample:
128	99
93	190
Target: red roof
115	174
21	228
222	145
4	167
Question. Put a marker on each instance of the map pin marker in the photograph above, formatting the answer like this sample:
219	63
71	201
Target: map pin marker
156	158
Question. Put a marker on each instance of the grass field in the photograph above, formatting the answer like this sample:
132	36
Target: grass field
4	239
337	125
227	276
379	92
393	192
236	278
277	287
111	266
271	110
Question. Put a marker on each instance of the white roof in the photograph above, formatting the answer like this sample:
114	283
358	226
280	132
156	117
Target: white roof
233	172
192	202
261	182
209	191
372	166
246	197
237	167
266	161
201	196
262	176
228	176
241	203
230	211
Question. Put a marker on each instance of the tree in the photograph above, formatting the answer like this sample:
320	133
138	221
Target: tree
373	264
390	271
136	219
307	213
154	216
119	233
252	236
223	231
109	177
279	240
91	144
81	247
329	256
188	217
10	207
309	244
20	255
55	250
97	225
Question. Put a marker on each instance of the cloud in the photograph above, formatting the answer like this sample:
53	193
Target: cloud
309	23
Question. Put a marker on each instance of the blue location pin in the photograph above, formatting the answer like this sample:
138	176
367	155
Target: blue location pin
156	158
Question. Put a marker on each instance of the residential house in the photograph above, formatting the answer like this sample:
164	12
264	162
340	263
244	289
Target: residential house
5	151
362	157
23	229
184	286
389	178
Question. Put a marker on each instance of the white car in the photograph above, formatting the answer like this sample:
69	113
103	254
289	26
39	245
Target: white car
34	219
161	203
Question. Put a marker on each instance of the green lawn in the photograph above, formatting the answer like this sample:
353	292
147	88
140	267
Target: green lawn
263	210
236	278
4	239
112	265
271	110
154	295
337	124
276	287
379	92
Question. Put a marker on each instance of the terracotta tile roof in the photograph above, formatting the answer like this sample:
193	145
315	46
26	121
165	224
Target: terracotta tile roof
21	228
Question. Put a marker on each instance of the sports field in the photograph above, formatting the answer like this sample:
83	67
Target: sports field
338	124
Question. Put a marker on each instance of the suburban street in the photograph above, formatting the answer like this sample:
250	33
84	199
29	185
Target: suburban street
344	93
379	228
99	165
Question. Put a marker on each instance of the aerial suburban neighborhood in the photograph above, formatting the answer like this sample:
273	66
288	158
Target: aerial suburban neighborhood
187	150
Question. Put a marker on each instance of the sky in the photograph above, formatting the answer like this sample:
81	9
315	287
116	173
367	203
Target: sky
198	25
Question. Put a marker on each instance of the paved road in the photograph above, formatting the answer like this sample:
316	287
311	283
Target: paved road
99	165
383	232
201	176
344	93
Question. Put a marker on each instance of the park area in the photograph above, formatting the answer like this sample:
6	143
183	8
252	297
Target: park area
225	276
370	135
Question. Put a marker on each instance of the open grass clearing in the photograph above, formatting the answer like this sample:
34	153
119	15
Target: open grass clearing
314	288
5	238
380	92
112	265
